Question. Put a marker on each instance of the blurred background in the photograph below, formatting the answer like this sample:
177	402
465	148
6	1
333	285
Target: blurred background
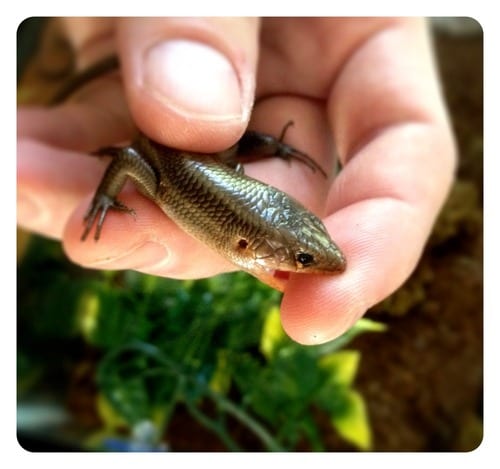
119	361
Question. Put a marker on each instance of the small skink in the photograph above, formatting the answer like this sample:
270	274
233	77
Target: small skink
257	227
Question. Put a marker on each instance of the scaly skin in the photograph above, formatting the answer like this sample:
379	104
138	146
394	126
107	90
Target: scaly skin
255	226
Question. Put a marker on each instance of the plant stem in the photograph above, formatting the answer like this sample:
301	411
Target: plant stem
214	427
247	420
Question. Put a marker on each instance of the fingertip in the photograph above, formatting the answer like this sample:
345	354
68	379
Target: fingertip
188	78
318	309
381	253
193	79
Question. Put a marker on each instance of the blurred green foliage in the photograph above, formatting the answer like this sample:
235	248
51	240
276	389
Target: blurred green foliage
162	343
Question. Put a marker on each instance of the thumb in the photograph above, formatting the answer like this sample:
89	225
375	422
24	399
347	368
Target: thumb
190	81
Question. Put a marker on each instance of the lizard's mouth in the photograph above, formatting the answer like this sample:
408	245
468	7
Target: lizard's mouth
276	279
281	275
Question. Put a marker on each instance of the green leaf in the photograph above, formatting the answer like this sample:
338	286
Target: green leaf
341	366
353	423
131	401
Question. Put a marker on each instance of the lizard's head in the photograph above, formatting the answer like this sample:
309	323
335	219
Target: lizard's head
303	246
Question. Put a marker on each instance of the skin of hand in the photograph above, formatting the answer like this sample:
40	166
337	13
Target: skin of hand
363	89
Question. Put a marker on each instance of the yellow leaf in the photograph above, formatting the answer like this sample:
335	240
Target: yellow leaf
221	378
272	333
368	325
88	314
111	419
23	239
353	424
342	366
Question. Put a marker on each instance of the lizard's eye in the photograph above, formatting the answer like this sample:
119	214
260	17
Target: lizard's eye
305	259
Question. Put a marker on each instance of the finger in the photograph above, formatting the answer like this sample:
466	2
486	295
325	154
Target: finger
381	233
400	160
50	184
92	38
95	117
303	56
150	242
48	177
190	81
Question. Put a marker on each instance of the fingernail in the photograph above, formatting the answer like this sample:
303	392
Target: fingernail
194	79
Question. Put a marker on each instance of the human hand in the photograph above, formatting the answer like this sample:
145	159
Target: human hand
364	89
